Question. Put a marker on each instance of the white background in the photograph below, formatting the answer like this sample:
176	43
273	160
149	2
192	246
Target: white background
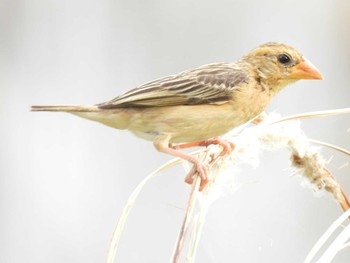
64	180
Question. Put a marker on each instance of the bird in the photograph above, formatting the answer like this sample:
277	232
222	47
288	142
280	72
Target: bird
197	106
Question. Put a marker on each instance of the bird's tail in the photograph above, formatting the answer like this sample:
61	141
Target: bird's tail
66	108
116	118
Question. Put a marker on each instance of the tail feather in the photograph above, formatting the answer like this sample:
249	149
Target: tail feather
66	108
116	118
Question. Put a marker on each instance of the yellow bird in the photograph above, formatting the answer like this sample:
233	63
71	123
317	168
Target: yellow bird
195	107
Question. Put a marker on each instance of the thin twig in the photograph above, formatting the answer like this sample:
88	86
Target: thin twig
323	239
336	245
342	199
113	246
313	114
189	211
337	148
187	219
198	222
127	208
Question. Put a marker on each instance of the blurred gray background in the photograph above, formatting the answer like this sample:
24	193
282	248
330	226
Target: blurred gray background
64	180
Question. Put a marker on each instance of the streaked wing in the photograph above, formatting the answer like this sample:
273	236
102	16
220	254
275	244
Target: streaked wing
209	84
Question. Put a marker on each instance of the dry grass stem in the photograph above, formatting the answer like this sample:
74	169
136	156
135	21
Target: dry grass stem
332	146
313	114
187	219
112	250
210	158
336	246
312	167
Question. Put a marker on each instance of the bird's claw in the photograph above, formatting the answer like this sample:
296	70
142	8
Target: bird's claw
227	146
200	169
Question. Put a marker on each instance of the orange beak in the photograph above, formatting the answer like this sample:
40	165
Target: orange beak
305	70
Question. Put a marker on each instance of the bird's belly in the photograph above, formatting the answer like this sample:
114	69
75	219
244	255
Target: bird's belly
187	123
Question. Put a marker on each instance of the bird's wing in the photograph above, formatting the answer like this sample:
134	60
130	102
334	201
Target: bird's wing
209	84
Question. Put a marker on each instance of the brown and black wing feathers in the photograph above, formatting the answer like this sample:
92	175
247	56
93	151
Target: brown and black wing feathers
209	84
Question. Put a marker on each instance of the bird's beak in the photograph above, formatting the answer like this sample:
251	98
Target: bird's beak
305	70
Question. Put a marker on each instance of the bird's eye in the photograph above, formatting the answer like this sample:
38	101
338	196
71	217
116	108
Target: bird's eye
284	59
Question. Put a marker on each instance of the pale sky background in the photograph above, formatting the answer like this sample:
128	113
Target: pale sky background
64	180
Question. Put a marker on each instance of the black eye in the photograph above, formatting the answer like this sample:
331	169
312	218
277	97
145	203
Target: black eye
284	59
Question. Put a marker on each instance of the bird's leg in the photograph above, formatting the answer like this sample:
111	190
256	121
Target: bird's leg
227	146
190	178
162	144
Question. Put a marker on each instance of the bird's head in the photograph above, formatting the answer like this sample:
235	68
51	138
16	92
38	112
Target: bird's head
277	65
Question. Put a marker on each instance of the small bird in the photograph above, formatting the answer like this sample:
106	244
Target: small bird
195	107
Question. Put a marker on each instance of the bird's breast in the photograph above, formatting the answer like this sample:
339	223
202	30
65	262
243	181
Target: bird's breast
250	101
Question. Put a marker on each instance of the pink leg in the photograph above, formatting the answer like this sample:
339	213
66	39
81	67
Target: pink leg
162	145
227	146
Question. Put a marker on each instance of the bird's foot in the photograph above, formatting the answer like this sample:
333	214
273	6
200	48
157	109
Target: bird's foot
199	169
227	146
